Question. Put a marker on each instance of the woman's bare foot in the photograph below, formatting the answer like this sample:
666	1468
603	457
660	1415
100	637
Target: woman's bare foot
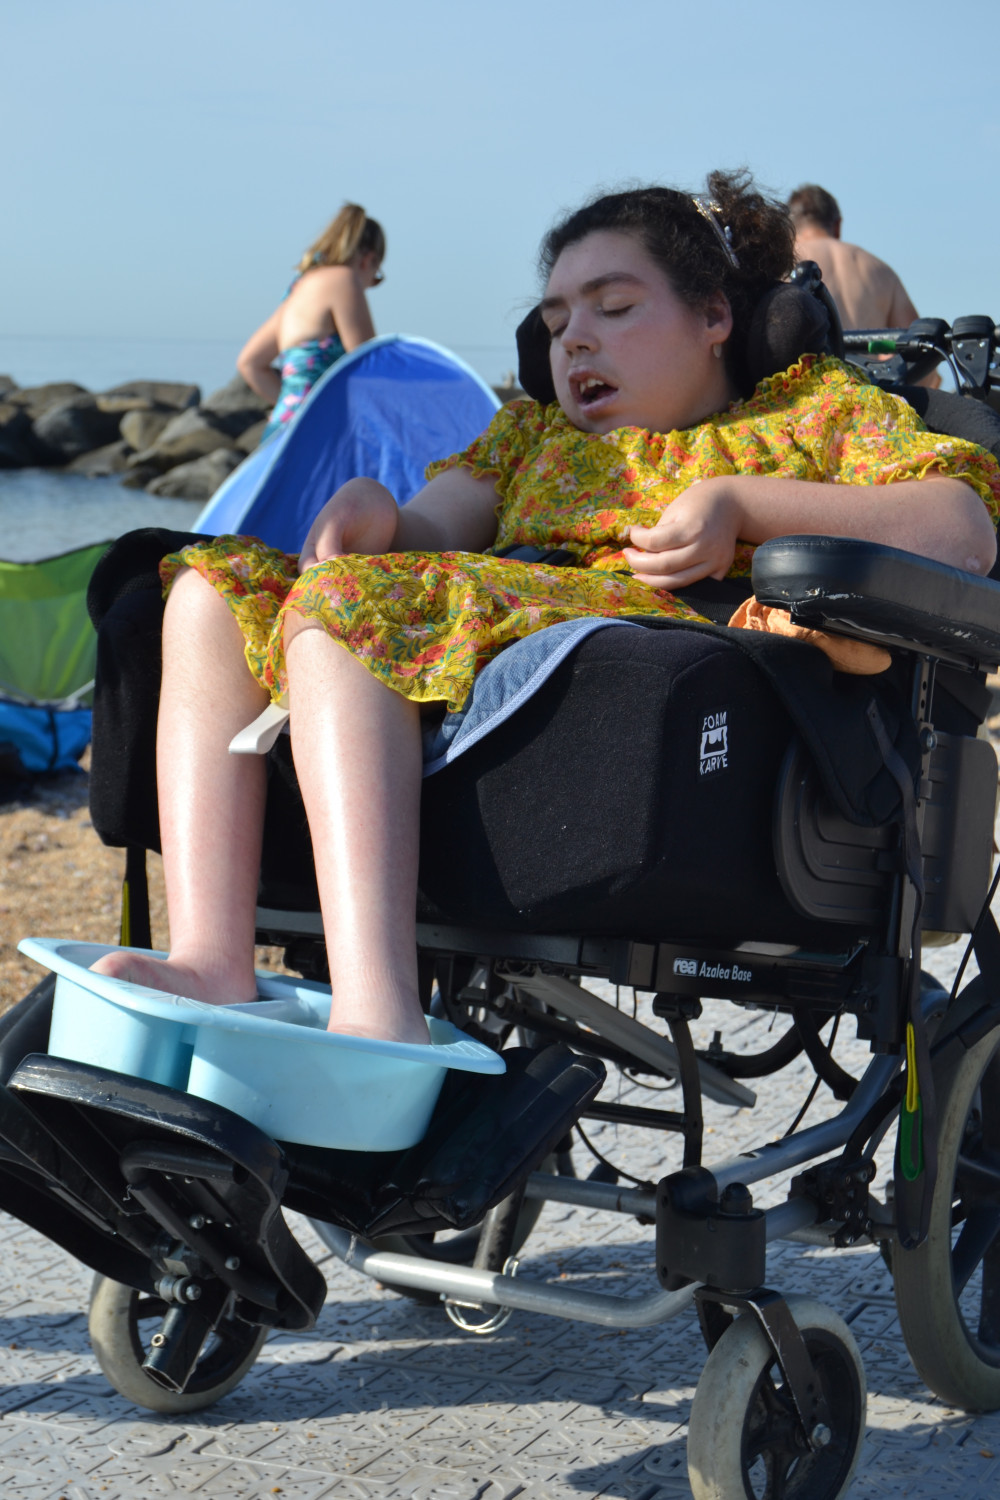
390	1020
176	978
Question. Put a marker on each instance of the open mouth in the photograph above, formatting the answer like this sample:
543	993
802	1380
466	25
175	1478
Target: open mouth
591	391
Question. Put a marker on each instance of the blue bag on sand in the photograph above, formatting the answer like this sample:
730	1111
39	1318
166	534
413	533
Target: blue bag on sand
48	649
41	739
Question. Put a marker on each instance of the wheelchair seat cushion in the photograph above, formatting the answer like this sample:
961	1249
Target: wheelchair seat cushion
634	794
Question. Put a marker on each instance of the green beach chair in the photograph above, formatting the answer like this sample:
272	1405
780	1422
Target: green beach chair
47	655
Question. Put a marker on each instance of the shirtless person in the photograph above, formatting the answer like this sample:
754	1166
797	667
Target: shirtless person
868	293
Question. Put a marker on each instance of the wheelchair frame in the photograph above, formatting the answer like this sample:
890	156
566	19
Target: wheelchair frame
199	1198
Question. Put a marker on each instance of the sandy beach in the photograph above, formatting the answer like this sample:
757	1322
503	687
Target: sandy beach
58	880
55	875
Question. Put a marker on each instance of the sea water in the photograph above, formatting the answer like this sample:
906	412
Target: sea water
44	513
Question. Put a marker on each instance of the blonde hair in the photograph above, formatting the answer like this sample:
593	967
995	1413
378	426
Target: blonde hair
351	233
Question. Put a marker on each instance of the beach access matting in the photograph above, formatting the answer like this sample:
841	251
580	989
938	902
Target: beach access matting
386	1399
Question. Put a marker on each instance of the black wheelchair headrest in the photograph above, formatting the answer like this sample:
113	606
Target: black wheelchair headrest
791	319
534	374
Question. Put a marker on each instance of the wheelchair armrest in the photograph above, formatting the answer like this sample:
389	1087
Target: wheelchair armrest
871	592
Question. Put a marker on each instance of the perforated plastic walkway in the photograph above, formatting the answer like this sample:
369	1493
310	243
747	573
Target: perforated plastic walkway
386	1399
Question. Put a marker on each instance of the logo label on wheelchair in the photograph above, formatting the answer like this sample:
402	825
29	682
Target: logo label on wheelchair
714	753
693	968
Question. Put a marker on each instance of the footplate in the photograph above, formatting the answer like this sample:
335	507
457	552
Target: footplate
140	1174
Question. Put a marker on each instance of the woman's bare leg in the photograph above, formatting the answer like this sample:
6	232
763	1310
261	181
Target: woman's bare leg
211	803
357	756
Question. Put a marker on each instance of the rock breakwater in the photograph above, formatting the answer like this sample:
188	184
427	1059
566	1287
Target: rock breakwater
158	435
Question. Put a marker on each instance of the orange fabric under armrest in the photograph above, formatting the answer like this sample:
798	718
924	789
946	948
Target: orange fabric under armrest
859	657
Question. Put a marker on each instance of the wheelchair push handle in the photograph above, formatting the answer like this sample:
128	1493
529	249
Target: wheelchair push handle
969	346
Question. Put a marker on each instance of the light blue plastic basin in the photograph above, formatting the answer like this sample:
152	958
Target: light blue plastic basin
271	1061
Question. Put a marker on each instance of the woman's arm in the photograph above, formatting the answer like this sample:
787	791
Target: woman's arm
254	360
696	536
453	513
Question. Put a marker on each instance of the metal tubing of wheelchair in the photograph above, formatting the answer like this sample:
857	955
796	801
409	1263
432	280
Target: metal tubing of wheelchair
603	1195
580	1005
814	1143
460	1283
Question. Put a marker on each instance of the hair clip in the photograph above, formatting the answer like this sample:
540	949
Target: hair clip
710	210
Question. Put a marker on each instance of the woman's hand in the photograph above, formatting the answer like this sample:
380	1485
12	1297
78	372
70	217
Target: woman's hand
256	357
694	538
939	517
361	517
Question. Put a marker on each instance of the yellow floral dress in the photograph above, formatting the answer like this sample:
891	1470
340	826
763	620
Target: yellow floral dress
425	623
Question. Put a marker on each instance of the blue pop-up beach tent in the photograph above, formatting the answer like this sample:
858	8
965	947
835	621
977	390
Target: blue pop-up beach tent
385	411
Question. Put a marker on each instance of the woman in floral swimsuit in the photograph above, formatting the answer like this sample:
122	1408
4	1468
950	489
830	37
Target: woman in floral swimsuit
322	316
648	468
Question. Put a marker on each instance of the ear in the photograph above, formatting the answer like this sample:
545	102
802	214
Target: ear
718	316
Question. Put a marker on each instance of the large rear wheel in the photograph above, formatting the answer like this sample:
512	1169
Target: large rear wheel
948	1290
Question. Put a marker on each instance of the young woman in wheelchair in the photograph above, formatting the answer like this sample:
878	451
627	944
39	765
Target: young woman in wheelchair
656	467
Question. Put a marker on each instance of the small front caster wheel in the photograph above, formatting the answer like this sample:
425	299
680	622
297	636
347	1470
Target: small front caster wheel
744	1441
122	1322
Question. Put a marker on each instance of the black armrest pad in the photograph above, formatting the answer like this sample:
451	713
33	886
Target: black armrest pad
859	588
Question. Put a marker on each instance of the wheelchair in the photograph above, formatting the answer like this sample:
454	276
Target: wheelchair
819	828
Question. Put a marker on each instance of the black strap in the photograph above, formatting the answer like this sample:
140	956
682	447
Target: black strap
135	925
914	1188
553	557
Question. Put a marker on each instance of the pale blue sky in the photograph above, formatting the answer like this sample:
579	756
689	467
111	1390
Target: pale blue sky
165	165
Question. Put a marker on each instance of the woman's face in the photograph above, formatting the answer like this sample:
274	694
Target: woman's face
626	351
369	269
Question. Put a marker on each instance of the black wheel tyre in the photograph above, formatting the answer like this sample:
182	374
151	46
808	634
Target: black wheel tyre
121	1323
744	1442
948	1290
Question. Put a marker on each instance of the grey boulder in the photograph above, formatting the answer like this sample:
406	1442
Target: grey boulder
111	459
136	477
76	426
248	440
235	407
38	398
18	448
199	479
168	393
140	429
187	436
